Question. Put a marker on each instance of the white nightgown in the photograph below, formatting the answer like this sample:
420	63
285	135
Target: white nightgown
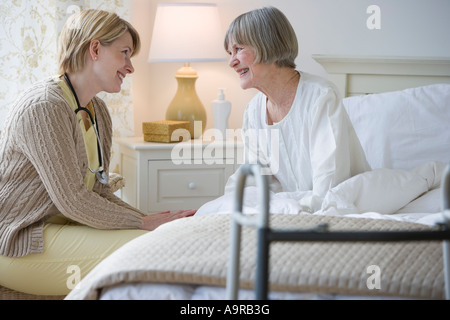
312	149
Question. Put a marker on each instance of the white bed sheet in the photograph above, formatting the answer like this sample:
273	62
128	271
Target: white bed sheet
146	291
384	191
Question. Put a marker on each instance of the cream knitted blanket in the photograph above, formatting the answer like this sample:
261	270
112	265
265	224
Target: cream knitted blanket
195	251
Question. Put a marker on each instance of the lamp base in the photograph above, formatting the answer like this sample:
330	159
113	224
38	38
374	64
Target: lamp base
186	105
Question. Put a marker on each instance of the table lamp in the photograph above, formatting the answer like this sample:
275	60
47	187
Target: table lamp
187	32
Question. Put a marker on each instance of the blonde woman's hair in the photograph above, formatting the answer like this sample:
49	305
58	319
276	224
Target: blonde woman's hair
269	33
83	27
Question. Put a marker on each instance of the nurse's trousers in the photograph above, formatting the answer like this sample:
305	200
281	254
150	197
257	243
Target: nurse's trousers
71	250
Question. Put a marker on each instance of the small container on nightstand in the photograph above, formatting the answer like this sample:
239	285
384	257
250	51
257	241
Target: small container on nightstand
163	130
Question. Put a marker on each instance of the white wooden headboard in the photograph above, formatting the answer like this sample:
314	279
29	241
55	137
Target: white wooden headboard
356	75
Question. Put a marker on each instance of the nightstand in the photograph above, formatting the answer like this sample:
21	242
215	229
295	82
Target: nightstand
172	176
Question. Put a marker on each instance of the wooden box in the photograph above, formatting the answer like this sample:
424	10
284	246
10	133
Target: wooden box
161	131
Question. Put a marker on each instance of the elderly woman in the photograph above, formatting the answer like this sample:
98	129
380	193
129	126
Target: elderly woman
58	216
296	125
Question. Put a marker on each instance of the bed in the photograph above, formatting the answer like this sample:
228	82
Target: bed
399	252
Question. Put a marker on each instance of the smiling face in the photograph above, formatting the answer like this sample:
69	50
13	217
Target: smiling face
242	60
257	41
114	63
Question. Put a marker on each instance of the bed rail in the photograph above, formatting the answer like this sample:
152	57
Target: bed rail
445	185
266	234
259	222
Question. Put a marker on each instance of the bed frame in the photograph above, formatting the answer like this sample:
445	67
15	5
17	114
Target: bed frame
353	76
357	75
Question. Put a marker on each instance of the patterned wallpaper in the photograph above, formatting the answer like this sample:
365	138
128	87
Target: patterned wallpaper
29	31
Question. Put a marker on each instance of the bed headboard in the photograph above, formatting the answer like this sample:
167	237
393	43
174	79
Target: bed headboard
404	121
357	75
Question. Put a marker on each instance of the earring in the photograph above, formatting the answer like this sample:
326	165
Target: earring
95	58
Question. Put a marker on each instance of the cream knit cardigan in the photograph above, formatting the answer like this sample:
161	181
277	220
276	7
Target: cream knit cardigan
43	163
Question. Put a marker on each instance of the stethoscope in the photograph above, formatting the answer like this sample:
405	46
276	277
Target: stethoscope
101	175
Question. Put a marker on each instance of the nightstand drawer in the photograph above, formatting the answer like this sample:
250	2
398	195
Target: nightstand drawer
185	186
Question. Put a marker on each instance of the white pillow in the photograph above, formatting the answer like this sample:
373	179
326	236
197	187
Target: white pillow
403	129
381	190
430	202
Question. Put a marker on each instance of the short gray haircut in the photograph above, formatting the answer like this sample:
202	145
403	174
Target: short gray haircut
269	33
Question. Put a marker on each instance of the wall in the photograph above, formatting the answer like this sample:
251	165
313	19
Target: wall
408	28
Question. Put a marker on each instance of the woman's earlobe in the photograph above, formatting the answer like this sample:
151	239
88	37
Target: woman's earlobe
94	48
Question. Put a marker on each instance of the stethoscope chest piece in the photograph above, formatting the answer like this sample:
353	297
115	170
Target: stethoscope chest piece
102	177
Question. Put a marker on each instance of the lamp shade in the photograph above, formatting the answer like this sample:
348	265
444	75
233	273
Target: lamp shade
187	32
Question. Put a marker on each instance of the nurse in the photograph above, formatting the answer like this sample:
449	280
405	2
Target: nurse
296	125
58	215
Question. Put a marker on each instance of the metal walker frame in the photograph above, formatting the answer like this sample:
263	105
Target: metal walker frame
266	234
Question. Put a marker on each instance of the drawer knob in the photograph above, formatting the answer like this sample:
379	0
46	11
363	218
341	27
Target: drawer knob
192	185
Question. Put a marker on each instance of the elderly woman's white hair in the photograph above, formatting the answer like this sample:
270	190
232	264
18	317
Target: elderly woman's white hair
268	32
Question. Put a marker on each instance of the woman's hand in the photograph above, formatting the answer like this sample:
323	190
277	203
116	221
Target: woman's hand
153	221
